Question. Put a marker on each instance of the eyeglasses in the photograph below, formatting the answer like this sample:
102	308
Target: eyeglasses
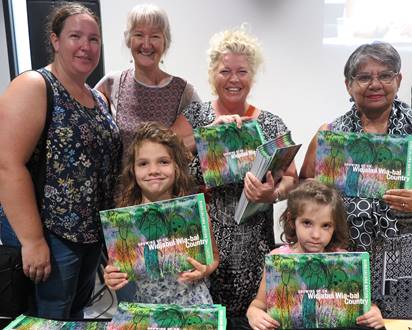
365	79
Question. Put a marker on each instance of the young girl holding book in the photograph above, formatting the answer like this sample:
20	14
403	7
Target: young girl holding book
157	169
314	222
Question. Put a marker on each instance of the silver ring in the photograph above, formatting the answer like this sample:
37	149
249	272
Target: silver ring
403	205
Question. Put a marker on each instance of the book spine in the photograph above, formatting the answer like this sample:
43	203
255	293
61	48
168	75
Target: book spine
366	281
408	170
204	219
222	318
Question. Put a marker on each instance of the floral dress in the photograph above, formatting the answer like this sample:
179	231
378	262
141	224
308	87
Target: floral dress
241	247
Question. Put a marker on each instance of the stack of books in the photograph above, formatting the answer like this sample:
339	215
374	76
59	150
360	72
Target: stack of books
275	155
151	316
138	317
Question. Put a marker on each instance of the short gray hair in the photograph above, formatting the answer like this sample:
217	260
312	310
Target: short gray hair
148	14
378	51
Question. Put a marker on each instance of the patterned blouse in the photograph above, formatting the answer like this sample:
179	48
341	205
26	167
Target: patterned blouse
83	152
133	102
368	218
241	247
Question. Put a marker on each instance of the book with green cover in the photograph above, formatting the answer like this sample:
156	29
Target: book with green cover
275	155
227	152
24	322
318	290
162	316
364	164
154	239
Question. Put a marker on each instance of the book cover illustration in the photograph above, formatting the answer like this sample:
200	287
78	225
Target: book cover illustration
275	155
317	290
364	164
227	152
155	239
24	322
161	316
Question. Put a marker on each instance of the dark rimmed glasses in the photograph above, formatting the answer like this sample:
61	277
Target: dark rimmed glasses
365	79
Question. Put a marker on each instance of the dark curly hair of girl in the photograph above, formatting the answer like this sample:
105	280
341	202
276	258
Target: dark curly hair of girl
312	191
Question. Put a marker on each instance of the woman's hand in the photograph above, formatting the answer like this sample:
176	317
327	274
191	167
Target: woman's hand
372	319
36	260
399	199
260	320
224	119
258	192
200	271
114	278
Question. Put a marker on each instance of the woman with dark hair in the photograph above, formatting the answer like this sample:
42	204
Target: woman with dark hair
58	164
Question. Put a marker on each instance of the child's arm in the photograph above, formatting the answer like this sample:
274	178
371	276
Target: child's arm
372	319
113	278
256	313
201	271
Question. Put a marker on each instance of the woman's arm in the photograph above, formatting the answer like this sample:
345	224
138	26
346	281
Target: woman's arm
22	117
308	167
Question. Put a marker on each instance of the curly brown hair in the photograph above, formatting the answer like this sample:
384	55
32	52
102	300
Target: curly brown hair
131	193
313	191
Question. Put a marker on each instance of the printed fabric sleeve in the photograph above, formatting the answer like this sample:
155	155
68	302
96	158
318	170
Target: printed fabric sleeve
189	95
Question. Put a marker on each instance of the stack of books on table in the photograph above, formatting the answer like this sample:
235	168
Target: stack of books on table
137	317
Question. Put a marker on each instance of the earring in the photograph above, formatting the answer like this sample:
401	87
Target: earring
351	99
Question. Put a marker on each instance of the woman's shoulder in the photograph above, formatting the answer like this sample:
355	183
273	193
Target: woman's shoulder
272	125
199	113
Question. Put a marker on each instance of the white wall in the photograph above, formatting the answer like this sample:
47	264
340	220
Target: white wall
4	64
302	80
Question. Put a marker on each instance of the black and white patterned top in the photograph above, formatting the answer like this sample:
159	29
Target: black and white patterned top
368	218
241	247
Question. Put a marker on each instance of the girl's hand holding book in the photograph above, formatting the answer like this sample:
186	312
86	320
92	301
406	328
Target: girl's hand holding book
201	271
114	278
260	320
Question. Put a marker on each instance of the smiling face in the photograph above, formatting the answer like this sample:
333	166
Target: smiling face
314	228
147	44
155	171
376	97
77	48
233	79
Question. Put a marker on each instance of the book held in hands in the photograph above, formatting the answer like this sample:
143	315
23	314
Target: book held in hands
364	164
154	239
227	152
275	155
317	290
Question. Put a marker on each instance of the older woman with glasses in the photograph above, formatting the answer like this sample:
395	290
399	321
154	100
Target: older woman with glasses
372	78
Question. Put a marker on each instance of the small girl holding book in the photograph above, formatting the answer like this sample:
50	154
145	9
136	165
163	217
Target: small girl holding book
157	169
313	222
